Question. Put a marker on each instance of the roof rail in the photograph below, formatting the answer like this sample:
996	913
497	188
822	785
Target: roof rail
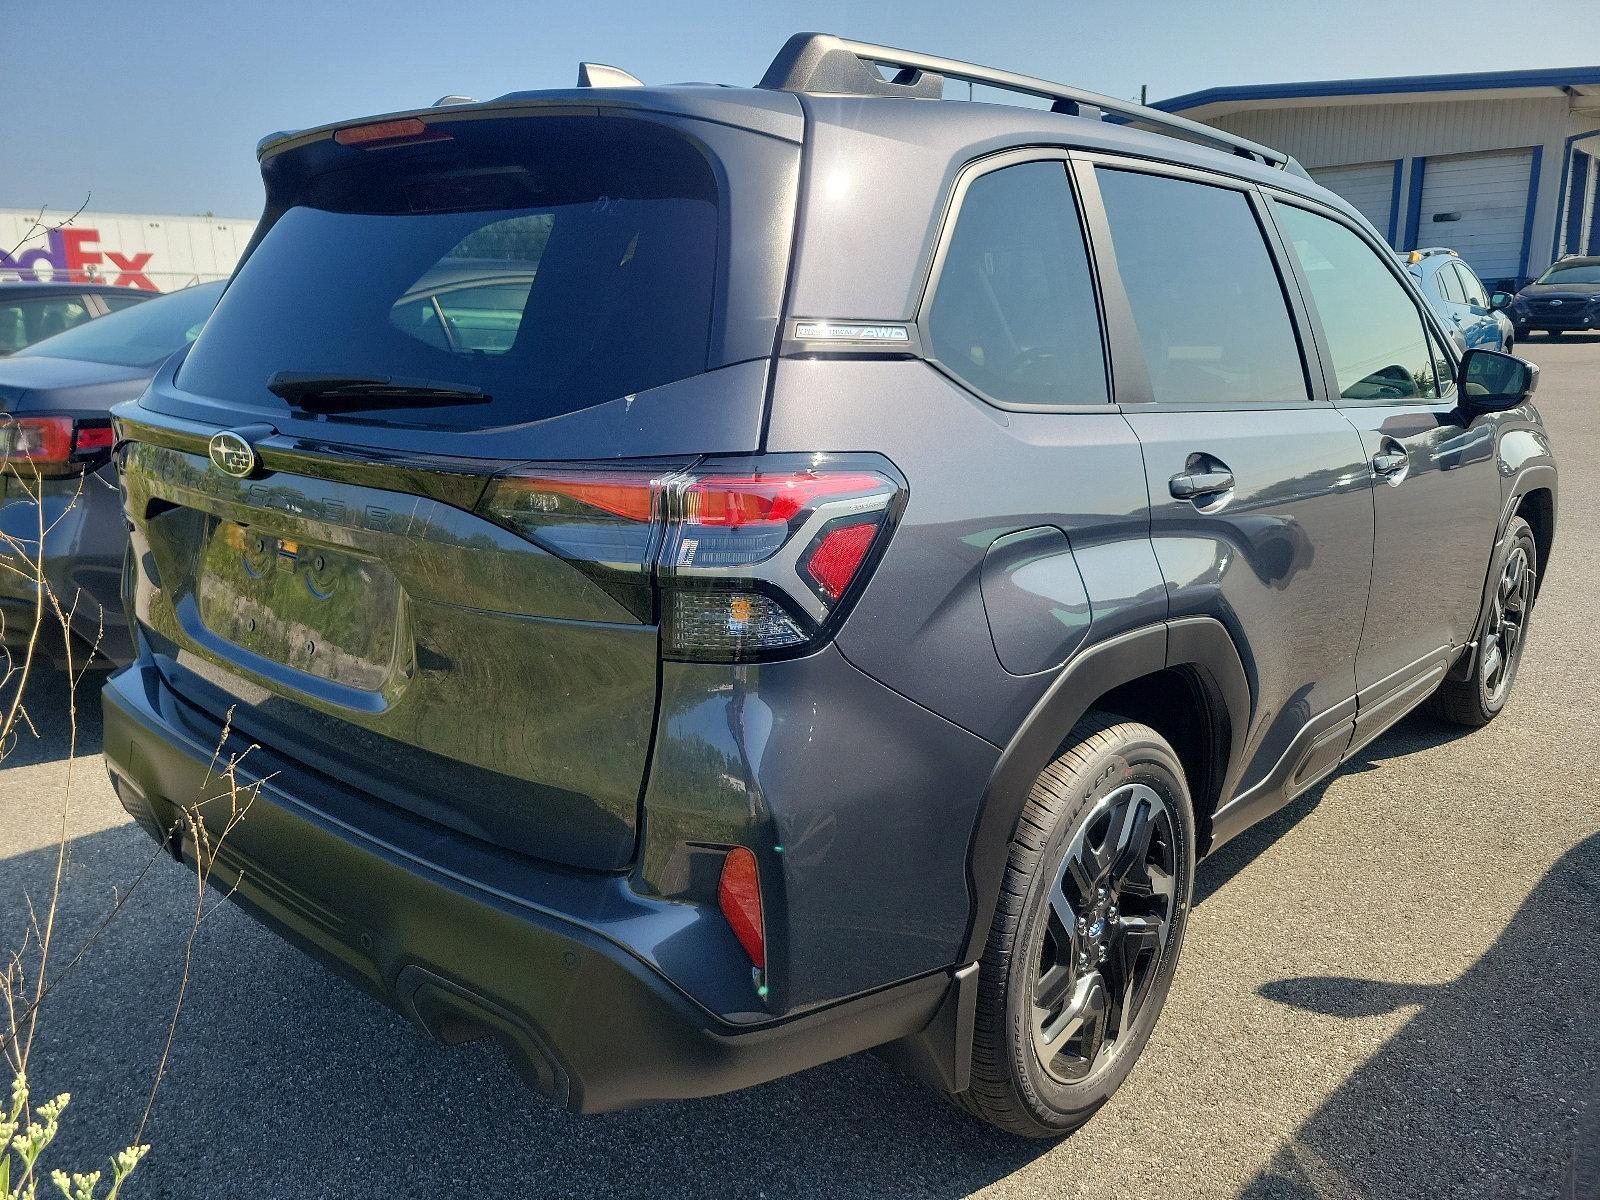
1422	252
820	62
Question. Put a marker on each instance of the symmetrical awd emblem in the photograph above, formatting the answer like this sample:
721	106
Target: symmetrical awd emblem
232	455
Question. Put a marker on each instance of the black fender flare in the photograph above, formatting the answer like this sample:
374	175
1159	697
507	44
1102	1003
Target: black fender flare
1202	643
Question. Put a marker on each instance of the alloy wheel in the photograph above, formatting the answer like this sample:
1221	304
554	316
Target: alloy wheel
1508	624
1111	911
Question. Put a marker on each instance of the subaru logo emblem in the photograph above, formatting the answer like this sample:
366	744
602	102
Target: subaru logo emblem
232	455
1553	303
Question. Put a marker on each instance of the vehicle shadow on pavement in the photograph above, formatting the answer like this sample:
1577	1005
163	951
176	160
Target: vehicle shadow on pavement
46	736
1415	733
286	1082
1487	1082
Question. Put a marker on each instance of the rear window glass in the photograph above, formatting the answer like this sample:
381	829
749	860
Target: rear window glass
550	262
144	335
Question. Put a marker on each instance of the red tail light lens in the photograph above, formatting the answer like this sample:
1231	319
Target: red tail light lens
752	558
625	495
94	437
606	522
51	445
739	897
734	500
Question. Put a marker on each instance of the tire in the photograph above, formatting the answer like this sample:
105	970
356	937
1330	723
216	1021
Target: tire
1117	780
1503	634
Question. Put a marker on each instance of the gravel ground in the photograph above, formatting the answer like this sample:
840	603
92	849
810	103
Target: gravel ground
1388	990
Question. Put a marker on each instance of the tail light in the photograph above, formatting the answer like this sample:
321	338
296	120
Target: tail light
751	559
52	445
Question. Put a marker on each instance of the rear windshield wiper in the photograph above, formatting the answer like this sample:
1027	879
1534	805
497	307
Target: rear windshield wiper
347	393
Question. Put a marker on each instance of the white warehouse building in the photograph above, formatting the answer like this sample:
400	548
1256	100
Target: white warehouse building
1500	165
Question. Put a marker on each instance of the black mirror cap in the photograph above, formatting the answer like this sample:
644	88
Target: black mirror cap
1499	299
1490	381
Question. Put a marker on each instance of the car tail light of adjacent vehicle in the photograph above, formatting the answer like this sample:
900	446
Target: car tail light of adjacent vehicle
49	445
750	559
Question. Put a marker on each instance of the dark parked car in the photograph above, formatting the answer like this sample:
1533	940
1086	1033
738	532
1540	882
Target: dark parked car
31	312
1470	312
896	541
55	444
1566	296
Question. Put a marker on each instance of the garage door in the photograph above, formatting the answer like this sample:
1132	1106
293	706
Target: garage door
1367	186
1477	204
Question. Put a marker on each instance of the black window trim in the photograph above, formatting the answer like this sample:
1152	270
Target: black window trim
1432	324
1136	391
1465	274
965	177
1444	294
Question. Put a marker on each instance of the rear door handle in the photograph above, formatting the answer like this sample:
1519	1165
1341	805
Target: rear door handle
1390	462
1190	485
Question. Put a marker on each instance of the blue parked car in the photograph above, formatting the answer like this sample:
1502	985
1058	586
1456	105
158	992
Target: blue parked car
1467	308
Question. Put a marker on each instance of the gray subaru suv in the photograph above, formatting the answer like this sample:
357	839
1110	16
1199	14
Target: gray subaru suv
712	580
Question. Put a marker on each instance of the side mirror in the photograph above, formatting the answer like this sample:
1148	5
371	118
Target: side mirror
1493	382
1499	299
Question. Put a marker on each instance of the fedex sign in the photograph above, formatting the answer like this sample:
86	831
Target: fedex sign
74	255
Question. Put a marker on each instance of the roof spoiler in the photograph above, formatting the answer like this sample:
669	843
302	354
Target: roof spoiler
822	63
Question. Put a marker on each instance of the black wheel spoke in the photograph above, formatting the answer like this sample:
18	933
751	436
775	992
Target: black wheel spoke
1083	877
1138	942
1053	987
1077	1032
1136	850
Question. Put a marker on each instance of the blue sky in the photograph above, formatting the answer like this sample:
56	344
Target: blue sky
156	106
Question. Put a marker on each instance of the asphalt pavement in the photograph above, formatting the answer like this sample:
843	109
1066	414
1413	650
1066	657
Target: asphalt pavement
1390	989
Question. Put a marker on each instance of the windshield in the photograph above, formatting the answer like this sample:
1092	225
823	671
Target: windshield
141	336
550	263
1572	273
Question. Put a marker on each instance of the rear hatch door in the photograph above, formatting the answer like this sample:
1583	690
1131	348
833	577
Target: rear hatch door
534	284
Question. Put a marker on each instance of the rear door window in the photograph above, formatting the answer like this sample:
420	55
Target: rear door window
552	262
1210	310
1449	284
1375	333
1471	286
23	322
1013	312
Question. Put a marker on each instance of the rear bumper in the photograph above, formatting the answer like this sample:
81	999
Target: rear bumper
586	1020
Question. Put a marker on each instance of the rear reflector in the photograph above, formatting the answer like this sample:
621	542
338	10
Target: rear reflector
739	897
838	555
